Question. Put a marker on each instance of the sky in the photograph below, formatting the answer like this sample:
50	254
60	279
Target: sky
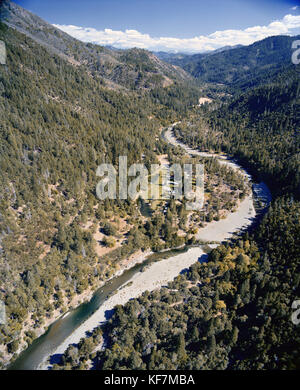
170	25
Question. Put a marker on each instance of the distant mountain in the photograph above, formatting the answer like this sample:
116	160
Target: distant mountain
134	69
243	66
179	58
172	58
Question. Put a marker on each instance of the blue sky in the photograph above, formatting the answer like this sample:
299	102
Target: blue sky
172	25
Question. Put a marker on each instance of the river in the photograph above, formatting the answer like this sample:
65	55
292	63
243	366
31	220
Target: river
74	325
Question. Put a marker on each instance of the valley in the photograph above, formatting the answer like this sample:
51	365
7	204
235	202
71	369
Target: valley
157	274
147	284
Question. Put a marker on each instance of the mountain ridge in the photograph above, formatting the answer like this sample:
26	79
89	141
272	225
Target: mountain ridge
238	66
143	72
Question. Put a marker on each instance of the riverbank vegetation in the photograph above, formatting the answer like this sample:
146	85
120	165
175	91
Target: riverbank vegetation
233	312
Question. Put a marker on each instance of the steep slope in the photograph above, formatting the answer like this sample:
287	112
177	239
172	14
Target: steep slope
57	124
134	69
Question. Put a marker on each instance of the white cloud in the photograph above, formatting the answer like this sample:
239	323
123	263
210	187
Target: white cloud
132	38
294	8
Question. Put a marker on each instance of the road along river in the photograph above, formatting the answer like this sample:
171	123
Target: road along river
70	328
